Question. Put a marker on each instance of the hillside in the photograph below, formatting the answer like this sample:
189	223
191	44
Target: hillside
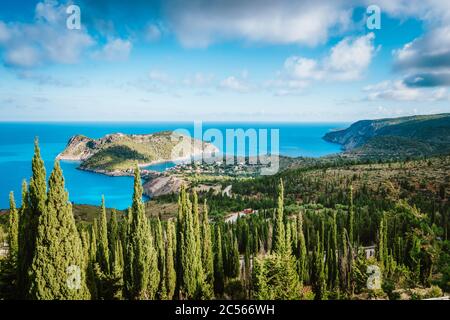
405	136
118	153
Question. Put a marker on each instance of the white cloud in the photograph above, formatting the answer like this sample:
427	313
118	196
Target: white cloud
45	40
350	57
114	50
302	68
23	56
431	51
201	23
432	11
233	83
398	91
346	61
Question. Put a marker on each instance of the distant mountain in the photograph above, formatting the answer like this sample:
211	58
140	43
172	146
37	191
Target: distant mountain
117	154
405	136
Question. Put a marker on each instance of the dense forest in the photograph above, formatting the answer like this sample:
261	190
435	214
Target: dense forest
337	231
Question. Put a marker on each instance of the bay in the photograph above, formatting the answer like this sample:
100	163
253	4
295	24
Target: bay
16	151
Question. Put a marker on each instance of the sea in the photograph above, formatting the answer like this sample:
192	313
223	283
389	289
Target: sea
17	146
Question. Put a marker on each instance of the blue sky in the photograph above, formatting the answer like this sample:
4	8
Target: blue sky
254	60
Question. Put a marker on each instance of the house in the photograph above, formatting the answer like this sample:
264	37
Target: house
232	217
4	249
369	251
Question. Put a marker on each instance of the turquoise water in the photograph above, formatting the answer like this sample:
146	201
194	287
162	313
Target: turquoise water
16	151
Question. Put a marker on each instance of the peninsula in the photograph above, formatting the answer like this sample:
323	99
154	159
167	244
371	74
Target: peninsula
117	154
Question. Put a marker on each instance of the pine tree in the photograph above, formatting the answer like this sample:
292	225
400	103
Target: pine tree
57	270
279	233
13	231
141	275
34	206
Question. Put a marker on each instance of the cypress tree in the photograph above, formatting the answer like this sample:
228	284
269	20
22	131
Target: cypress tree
207	250
275	277
170	273
302	253
191	261
13	231
160	248
234	257
34	207
381	243
141	275
8	266
318	272
351	215
57	270
86	240
113	238
219	276
334	255
279	234
179	240
102	241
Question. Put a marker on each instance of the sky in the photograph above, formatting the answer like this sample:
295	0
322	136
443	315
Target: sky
223	60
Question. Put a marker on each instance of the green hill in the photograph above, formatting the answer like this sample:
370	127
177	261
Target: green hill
118	153
405	136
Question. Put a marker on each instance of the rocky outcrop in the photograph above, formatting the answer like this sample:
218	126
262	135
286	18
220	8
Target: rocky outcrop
163	185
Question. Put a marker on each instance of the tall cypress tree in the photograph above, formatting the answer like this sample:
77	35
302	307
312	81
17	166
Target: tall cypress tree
34	207
160	249
192	274
141	275
318	271
302	253
170	273
351	216
88	262
234	260
8	266
102	241
207	250
381	243
279	233
13	231
57	270
219	276
113	238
